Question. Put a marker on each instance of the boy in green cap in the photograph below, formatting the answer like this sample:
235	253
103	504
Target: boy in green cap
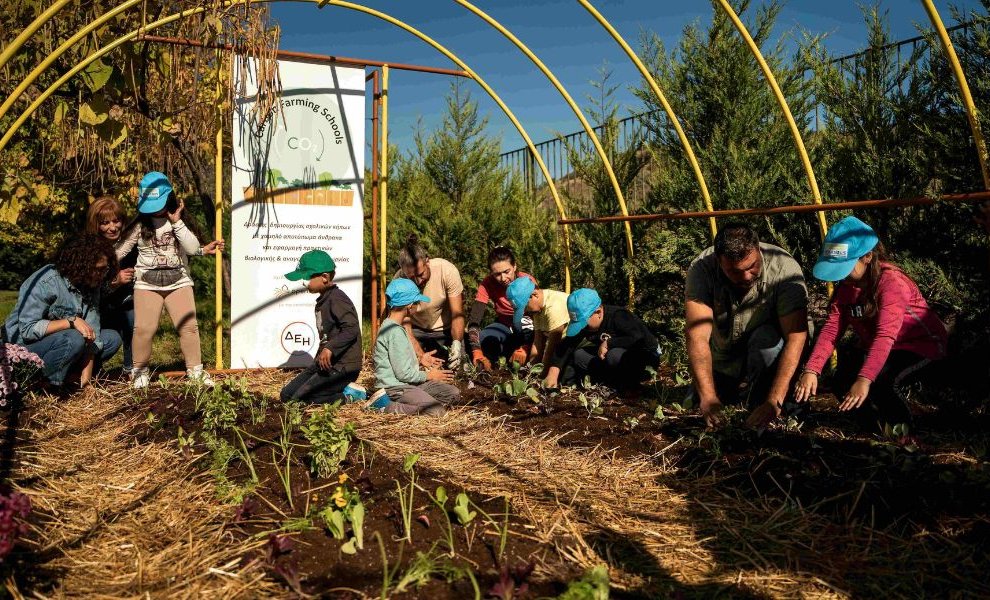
338	360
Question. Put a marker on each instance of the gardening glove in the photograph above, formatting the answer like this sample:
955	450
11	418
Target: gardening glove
456	355
480	360
520	355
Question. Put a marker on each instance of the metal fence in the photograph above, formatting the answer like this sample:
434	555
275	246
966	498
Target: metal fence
555	155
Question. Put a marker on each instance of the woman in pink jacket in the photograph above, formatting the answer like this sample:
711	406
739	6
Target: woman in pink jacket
897	332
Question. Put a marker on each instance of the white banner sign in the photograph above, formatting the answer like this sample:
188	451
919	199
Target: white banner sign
297	184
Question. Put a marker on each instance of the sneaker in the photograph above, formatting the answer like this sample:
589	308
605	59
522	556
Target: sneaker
199	376
140	378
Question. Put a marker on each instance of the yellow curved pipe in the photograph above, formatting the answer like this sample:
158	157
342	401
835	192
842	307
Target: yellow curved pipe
30	30
795	132
577	112
967	97
24	116
383	179
688	150
495	97
58	52
436	45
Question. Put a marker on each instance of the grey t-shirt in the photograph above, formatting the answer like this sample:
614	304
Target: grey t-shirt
780	290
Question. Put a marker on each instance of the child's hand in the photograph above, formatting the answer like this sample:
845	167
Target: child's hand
175	216
323	359
429	361
856	395
444	375
214	247
806	386
603	349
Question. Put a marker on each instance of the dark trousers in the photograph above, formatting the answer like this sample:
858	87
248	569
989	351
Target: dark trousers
498	340
885	403
63	349
622	368
121	320
316	386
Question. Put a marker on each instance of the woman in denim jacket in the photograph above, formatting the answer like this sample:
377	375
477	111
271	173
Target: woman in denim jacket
57	315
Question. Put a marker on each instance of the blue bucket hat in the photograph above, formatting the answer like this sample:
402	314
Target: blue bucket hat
518	293
580	304
403	292
154	191
845	243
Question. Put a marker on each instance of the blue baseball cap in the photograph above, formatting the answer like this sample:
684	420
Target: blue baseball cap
154	191
518	294
845	243
580	304
403	292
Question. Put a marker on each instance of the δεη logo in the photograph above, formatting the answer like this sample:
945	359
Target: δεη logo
298	337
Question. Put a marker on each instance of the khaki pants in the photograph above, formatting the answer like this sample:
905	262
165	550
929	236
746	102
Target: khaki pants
181	308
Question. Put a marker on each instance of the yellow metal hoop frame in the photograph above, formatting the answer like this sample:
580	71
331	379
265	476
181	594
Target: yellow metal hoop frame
784	107
688	150
966	97
577	112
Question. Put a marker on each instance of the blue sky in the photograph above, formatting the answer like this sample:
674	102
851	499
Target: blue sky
560	32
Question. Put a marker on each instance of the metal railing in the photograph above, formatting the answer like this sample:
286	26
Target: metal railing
630	129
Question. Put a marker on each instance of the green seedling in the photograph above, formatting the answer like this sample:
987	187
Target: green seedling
164	382
285	475
631	422
328	440
345	507
461	508
440	499
245	455
591	403
426	566
406	496
186	443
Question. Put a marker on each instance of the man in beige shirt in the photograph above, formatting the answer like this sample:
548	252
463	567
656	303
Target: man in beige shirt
437	328
746	324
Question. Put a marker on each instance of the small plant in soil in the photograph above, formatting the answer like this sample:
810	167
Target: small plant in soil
328	440
593	585
524	381
440	499
406	494
219	407
186	443
343	508
462	509
427	566
513	582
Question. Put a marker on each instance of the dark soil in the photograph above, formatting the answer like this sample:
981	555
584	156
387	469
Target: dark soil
316	556
822	461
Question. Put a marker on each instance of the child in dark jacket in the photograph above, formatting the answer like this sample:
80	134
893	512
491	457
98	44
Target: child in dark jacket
897	332
338	360
607	343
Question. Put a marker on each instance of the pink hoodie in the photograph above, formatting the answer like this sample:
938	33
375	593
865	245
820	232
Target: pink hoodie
903	321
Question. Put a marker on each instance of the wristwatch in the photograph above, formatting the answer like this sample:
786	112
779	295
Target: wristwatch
72	321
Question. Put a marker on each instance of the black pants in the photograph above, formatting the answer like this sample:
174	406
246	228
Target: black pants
622	368
316	386
885	403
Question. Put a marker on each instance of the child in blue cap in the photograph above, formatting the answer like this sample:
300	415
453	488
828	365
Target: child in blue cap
548	310
610	344
897	332
409	389
161	276
338	360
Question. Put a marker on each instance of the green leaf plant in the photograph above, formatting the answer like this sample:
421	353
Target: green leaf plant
406	494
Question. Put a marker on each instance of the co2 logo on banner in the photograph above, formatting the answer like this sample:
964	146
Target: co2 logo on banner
304	144
298	337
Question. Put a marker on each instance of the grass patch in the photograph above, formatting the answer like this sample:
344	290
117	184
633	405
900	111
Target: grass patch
8	298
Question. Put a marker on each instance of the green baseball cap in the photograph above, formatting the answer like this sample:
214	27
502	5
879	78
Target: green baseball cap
312	263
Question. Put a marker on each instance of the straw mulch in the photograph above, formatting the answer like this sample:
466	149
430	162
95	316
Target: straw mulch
665	534
114	518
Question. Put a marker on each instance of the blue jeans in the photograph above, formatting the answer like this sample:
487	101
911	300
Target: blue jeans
63	349
121	320
498	340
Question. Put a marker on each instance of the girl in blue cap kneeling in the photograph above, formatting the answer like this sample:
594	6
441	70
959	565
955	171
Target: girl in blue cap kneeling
408	389
896	331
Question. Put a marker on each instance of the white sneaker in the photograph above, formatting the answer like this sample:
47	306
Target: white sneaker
198	375
140	378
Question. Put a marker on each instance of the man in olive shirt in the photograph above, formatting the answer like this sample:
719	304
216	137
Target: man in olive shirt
746	324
